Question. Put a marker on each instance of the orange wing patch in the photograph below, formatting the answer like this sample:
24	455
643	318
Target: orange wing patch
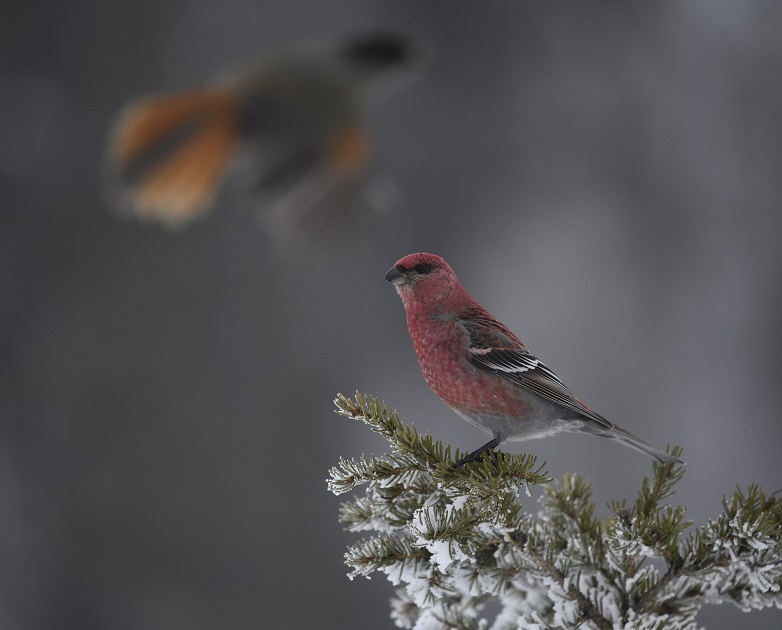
349	150
182	179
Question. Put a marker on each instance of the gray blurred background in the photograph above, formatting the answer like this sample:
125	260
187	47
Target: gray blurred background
605	179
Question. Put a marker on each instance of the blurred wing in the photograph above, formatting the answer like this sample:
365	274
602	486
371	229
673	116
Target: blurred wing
519	366
167	155
322	194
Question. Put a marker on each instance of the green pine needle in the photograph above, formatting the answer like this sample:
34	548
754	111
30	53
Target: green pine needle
455	538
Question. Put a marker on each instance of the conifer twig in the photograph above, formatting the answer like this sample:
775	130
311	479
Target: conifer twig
454	539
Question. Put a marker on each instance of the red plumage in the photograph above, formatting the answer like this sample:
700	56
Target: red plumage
480	369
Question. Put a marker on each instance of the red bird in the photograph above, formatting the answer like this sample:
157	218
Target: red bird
482	371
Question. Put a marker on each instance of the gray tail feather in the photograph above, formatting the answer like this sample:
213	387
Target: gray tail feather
612	431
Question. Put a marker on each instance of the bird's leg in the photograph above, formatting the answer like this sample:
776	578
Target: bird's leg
477	453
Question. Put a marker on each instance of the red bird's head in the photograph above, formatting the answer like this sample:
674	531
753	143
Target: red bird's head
426	280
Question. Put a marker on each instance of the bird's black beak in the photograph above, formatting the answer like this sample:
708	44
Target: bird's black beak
397	276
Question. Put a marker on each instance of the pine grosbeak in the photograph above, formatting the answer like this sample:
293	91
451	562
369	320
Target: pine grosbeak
482	371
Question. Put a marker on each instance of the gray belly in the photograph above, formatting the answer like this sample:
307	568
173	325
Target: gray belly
544	418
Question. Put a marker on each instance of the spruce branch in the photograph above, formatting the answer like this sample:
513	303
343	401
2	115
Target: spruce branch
418	459
453	539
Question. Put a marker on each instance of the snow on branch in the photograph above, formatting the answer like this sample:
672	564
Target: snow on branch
452	539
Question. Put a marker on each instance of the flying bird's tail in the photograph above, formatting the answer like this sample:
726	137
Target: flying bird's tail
168	154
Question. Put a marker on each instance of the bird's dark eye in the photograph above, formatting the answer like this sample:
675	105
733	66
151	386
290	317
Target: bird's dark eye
423	269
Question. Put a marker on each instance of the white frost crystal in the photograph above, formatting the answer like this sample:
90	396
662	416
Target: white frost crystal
455	540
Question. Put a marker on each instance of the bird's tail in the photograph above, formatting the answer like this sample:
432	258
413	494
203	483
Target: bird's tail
614	432
168	155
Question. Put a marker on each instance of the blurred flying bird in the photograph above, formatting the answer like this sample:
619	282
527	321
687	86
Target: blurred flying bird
293	126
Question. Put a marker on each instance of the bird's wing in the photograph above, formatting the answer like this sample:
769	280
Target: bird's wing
498	351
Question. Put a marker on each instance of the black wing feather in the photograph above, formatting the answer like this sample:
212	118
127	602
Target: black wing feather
492	351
